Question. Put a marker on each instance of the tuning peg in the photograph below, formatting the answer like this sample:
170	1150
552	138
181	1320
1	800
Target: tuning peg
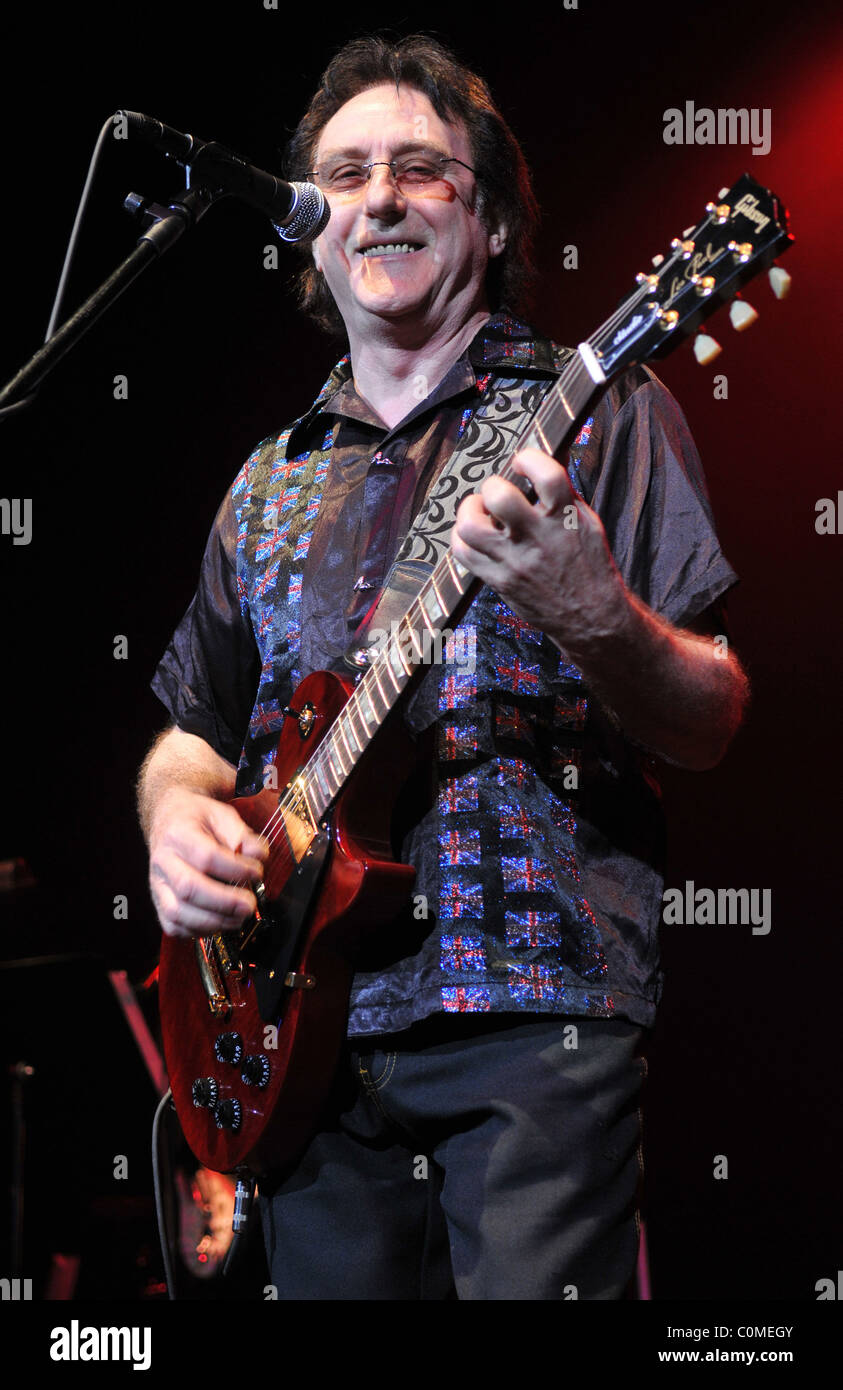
741	250
742	314
780	281
703	284
657	260
706	349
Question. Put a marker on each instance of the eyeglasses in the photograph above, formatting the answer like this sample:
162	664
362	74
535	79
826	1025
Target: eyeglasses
412	173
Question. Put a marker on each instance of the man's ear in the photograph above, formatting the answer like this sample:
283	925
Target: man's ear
317	259
497	240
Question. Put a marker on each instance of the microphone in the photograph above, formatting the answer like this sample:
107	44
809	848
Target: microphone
298	211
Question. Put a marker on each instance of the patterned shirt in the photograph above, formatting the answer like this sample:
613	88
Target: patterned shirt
535	826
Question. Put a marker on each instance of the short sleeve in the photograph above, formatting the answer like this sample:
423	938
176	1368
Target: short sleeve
209	674
641	473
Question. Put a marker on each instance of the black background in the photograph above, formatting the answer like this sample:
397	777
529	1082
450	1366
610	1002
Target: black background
744	1062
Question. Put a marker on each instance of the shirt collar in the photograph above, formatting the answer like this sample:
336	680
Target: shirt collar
503	341
345	401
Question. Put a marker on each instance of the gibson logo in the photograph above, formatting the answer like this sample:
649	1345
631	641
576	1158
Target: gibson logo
749	207
695	266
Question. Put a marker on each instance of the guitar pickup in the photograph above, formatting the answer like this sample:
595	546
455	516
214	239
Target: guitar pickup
281	945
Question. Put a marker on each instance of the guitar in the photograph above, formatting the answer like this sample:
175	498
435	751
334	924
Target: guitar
253	1020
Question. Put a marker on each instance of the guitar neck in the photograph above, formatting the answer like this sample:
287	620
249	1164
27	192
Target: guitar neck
416	640
739	236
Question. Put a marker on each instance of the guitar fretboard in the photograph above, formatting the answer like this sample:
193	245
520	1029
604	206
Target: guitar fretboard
736	238
416	639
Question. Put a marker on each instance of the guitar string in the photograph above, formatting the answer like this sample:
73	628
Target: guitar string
546	413
324	760
570	376
573	374
329	753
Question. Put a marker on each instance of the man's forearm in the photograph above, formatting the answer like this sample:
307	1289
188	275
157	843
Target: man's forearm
184	762
677	694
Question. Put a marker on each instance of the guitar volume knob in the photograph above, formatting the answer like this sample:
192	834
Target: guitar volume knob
205	1092
228	1114
256	1071
229	1048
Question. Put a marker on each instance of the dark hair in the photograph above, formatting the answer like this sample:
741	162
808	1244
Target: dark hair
505	190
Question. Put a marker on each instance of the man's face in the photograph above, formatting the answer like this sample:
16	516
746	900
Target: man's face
443	275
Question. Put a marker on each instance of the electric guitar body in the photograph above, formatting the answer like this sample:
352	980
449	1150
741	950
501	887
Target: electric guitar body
253	1021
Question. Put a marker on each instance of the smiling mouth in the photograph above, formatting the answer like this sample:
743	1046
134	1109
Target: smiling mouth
391	248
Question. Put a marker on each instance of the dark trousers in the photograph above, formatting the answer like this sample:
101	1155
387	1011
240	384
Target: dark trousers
471	1159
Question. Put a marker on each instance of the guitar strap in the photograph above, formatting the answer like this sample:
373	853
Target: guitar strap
487	441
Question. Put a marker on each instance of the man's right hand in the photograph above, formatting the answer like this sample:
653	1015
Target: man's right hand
199	848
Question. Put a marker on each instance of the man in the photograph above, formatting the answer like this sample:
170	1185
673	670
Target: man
497	1155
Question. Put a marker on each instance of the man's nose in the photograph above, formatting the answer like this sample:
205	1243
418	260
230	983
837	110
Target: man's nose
382	192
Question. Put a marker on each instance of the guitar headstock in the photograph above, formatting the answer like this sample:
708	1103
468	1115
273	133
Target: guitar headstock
741	234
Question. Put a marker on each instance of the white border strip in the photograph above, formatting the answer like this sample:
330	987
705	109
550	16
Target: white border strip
592	366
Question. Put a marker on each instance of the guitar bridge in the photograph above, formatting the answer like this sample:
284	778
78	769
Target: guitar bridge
218	1001
229	961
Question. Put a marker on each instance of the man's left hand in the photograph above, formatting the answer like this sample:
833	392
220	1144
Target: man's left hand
549	560
669	689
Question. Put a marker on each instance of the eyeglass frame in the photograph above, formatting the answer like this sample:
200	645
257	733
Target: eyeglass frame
390	163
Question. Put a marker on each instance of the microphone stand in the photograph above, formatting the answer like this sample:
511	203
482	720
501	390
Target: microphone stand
163	227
